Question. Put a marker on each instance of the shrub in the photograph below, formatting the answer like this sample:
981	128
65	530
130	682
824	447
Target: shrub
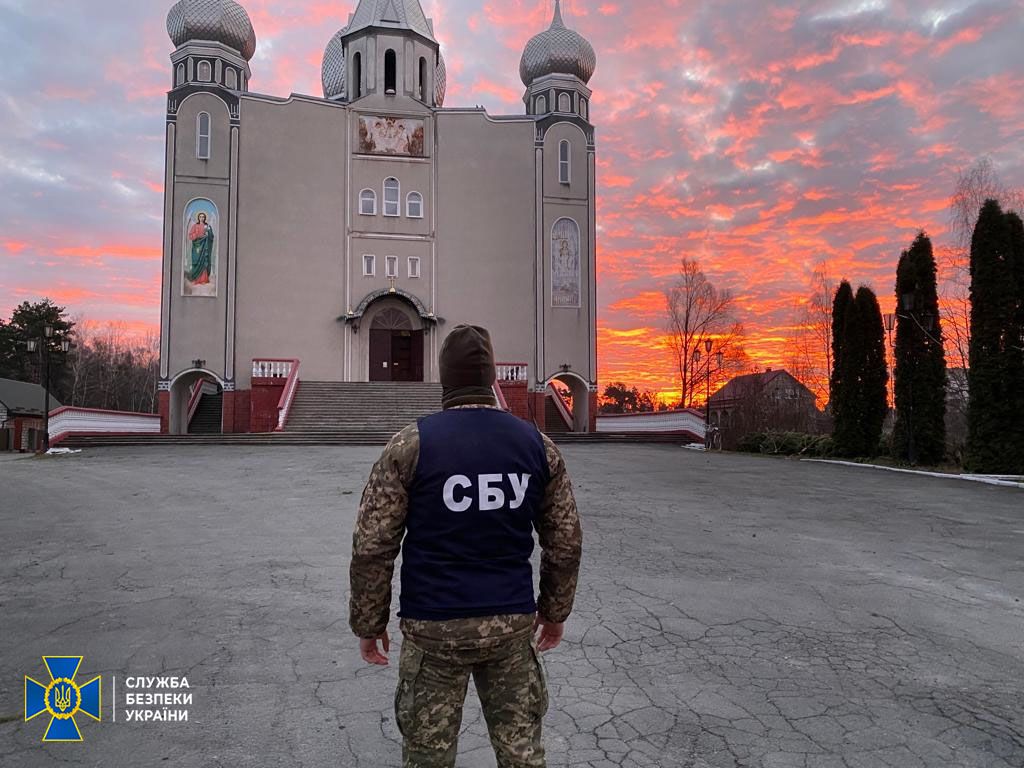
787	444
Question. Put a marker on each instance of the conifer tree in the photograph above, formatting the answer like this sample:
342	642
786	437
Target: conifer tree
1015	372
840	404
873	380
920	430
994	394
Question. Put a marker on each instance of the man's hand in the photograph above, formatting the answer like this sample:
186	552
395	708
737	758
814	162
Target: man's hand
549	635
371	653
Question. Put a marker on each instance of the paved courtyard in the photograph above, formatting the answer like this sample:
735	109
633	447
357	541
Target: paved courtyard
733	611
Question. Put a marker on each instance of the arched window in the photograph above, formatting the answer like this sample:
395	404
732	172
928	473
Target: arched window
231	79
564	162
392	197
564	102
565	264
390	72
368	203
203	136
180	77
414	205
356	89
423	80
583	109
205	72
542	104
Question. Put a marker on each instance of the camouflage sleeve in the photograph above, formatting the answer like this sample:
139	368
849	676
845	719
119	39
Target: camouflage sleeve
561	541
378	535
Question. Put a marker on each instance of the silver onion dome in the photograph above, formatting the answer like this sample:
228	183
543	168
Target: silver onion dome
333	72
558	50
440	80
222	21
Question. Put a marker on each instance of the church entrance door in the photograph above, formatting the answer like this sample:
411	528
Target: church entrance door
396	350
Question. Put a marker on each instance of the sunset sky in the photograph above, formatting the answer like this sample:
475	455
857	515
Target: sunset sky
762	138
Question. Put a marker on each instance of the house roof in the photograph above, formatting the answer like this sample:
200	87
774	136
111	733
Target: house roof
741	386
24	398
396	14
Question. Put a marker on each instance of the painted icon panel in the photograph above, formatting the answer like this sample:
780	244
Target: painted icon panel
200	268
391	136
565	264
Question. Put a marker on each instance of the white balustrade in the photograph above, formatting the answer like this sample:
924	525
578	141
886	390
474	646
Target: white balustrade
272	369
513	371
64	421
657	421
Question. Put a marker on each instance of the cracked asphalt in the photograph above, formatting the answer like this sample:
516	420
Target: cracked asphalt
733	611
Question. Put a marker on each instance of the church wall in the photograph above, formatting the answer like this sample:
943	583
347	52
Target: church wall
198	323
291	236
568	329
486	231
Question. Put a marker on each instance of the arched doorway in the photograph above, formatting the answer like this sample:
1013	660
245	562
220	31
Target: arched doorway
396	345
197	404
571	396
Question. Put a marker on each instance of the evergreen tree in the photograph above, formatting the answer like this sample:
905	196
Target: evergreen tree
27	322
872	388
920	430
840	403
1015	372
992	445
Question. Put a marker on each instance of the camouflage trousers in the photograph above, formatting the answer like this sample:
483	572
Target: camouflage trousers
510	682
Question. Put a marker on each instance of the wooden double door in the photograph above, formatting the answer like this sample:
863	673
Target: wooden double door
396	355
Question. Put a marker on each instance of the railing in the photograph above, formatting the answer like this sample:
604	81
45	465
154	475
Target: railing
280	369
273	369
500	397
200	388
688	420
513	371
563	409
68	421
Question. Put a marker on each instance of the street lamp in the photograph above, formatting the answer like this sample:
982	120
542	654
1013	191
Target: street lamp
44	346
720	360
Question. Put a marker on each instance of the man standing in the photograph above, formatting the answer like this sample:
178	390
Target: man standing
466	488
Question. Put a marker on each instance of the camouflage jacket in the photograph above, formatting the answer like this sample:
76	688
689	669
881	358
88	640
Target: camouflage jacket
377	541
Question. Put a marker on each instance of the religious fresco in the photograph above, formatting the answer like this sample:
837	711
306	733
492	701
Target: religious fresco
199	261
565	264
391	136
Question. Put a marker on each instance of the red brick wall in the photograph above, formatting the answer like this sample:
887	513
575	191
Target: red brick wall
266	394
243	414
593	412
517	396
164	399
539	410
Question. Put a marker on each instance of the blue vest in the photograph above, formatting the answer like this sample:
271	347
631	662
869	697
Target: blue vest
479	486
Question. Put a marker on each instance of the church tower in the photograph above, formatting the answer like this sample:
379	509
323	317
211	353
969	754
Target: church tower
387	49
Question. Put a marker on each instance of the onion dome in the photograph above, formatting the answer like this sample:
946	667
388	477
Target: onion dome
333	72
221	21
440	80
558	50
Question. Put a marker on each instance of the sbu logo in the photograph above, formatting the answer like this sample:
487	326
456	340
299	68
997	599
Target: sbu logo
63	698
490	494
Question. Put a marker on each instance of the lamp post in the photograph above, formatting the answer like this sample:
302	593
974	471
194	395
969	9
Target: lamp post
44	345
720	358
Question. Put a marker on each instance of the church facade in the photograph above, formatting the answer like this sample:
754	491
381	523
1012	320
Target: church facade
351	232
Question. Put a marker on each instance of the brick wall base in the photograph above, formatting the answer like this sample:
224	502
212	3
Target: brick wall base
263	400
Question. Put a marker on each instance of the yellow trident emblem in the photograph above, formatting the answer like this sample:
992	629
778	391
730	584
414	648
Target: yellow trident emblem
62	697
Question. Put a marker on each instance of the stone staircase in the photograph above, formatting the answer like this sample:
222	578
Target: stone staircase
359	413
207	418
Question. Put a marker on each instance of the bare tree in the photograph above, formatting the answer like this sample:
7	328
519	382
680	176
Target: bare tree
810	357
697	311
974	185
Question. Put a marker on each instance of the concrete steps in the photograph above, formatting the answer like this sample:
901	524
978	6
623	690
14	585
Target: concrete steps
322	408
207	418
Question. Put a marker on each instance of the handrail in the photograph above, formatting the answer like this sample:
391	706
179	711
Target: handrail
500	396
272	368
284	405
563	409
193	402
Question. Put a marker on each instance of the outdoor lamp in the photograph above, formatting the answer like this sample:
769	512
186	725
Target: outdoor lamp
696	355
890	322
65	345
48	331
708	343
32	344
908	302
721	360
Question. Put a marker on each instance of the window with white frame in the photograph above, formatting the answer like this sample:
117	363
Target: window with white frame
391	266
180	78
414	205
205	72
564	102
414	267
583	109
369	265
392	197
564	162
541	104
231	79
367	203
203	136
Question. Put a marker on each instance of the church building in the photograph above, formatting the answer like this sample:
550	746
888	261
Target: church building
337	239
